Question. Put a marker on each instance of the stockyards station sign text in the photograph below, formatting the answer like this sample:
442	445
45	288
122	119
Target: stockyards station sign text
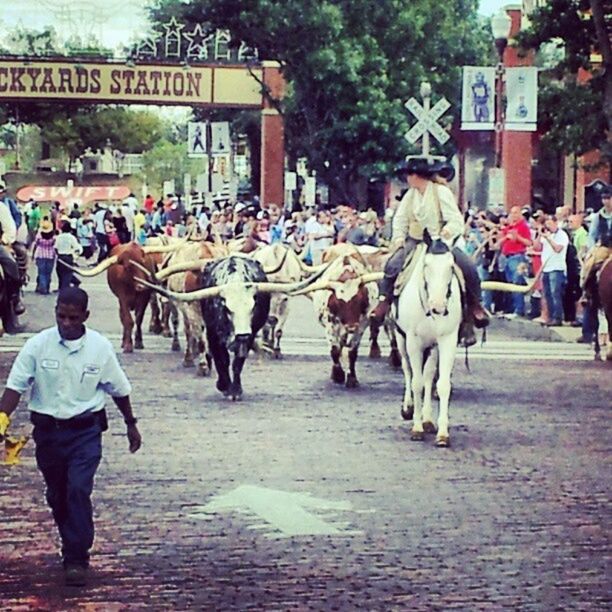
218	85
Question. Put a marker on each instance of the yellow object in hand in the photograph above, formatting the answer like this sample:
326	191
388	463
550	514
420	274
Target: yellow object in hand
4	423
12	449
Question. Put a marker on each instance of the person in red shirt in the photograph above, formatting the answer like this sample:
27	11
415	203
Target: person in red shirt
149	203
516	237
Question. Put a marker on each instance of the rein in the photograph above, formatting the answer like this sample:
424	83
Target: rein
423	289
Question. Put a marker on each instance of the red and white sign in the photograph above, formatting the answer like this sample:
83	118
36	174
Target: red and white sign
67	196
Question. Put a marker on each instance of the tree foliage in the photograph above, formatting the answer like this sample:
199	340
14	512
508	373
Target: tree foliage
575	112
350	65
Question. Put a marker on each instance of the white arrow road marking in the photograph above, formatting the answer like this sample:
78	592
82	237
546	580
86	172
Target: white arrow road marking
287	512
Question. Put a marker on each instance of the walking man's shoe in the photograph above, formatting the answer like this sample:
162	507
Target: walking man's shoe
75	575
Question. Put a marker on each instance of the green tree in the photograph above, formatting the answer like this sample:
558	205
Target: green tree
576	115
168	161
349	65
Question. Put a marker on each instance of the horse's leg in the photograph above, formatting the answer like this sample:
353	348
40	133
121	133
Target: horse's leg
447	347
429	373
415	353
407	405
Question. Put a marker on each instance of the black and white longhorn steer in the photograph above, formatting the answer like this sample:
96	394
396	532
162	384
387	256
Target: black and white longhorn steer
235	302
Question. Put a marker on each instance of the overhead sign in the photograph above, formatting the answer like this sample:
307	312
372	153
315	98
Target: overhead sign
69	194
427	121
291	514
196	139
140	84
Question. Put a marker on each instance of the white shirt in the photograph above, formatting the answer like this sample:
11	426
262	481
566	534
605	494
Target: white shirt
68	378
67	244
424	209
555	262
129	217
99	221
9	229
203	222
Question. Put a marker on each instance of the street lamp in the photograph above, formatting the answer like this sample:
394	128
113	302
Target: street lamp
501	23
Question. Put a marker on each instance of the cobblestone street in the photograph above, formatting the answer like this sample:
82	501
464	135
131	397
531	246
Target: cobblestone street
307	495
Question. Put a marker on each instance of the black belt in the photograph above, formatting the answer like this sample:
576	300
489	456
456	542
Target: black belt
82	421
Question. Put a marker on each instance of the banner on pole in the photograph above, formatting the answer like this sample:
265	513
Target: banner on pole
478	98
310	190
196	139
220	137
522	96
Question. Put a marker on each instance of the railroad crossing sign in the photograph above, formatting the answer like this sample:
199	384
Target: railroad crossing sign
427	119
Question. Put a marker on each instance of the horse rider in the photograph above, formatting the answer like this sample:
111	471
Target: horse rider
429	206
599	240
10	267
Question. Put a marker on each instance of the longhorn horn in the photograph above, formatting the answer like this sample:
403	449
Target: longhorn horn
511	287
282	263
186	266
101	267
306	268
170	248
190	296
141	267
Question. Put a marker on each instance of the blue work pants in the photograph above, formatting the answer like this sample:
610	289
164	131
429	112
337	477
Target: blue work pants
513	276
68	460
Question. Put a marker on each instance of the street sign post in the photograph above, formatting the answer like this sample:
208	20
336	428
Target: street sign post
427	119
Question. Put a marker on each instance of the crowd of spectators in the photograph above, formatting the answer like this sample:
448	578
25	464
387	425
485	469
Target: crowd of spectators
507	246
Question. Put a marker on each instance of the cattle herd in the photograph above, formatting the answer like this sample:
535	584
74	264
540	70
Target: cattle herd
227	298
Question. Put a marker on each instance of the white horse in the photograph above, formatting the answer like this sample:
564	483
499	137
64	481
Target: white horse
428	316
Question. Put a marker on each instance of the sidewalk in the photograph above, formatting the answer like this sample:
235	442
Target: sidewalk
532	330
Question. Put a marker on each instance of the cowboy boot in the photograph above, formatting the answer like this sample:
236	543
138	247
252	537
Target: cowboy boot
479	315
467	336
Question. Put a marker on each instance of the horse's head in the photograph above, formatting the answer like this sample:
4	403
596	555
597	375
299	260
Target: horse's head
437	276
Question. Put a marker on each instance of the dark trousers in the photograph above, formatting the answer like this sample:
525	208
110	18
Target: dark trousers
103	245
68	460
65	276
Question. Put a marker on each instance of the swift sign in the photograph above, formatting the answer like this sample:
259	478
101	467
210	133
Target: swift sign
66	195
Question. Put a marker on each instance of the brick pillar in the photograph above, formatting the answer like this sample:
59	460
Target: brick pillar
517	147
272	139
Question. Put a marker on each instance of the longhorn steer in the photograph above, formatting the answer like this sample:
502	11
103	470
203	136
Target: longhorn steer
342	300
286	268
192	255
125	265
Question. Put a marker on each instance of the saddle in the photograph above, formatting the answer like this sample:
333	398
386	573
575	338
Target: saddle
409	266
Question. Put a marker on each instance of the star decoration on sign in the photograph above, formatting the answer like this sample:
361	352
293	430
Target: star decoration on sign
198	43
173	38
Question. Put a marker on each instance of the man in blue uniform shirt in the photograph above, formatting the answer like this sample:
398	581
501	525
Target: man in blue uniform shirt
70	369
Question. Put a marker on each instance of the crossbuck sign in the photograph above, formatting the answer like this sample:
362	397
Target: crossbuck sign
427	122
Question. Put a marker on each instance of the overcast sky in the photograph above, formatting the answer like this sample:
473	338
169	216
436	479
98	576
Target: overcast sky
114	22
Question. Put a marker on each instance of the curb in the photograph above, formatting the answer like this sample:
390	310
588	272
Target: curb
534	331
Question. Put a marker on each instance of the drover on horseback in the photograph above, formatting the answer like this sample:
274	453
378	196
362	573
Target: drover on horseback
430	206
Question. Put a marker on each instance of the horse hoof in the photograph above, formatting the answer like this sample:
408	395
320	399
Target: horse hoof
166	334
375	352
352	382
429	427
417	436
188	363
278	354
395	361
407	414
155	329
139	346
338	375
443	441
128	349
176	347
203	371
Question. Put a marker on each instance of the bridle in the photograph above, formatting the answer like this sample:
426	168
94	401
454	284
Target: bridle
424	293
